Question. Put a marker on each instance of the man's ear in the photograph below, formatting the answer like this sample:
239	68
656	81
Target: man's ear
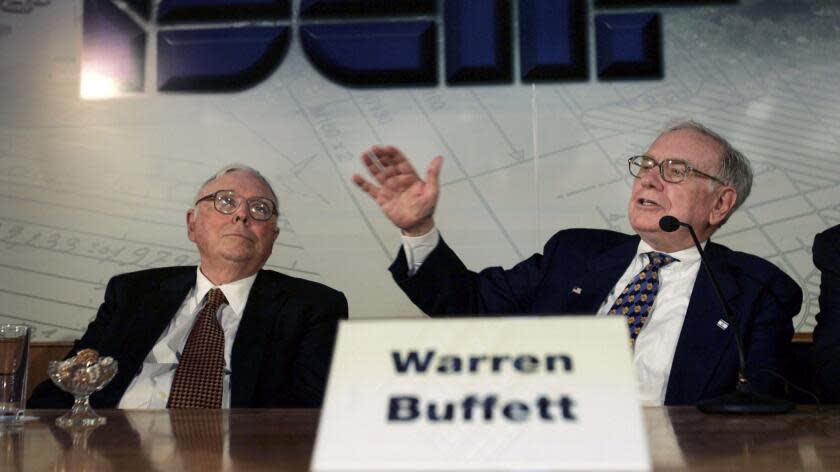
191	216
724	202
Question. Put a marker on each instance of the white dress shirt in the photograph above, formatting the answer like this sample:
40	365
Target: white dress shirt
150	388
656	344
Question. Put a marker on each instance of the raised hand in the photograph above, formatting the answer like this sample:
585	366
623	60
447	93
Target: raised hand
408	201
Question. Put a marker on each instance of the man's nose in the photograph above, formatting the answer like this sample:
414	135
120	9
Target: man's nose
241	213
652	179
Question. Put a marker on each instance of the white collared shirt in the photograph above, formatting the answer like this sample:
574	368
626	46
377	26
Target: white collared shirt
150	388
657	343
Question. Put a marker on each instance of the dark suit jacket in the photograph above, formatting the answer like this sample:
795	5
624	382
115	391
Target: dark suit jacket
762	297
826	348
280	356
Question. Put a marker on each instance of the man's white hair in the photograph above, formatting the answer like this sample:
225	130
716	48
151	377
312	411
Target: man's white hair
240	168
735	169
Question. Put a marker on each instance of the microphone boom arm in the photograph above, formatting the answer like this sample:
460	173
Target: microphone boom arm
729	318
743	399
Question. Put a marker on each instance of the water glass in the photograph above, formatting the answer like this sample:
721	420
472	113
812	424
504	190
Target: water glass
14	360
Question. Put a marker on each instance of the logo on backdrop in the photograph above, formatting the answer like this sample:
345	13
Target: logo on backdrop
218	46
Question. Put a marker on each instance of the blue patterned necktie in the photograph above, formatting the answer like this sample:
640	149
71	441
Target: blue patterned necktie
636	300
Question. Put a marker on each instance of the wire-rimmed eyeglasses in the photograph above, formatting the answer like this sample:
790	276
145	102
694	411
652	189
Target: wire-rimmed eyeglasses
227	201
671	170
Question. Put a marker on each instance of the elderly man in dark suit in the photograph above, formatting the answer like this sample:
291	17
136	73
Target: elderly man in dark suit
224	334
826	348
684	351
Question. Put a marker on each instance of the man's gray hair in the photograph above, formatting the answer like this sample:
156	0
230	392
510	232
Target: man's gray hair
735	169
240	168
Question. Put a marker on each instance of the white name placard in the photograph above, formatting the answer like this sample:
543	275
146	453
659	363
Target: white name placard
510	393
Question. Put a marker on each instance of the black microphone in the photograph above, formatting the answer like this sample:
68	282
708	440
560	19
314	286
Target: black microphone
743	399
669	224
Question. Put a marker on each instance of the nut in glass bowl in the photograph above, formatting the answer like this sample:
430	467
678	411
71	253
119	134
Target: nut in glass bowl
80	376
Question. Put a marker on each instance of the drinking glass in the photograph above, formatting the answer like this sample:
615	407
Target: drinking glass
14	360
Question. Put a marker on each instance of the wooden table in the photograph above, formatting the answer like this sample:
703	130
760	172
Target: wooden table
206	440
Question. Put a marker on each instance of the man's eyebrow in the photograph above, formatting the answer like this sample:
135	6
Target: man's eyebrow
680	159
267	197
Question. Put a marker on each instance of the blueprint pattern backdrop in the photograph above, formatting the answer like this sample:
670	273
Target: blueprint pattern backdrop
93	188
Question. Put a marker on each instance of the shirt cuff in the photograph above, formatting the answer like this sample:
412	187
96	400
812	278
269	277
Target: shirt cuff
418	248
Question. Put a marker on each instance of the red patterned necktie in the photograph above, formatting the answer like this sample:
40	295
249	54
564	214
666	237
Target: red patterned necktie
636	301
199	377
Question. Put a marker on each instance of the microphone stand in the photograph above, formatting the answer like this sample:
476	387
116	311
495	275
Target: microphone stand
743	400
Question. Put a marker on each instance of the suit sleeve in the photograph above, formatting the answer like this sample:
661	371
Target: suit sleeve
315	349
826	348
47	394
768	349
444	286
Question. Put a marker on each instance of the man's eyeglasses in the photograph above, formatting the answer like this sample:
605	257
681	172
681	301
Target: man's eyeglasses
671	170
227	201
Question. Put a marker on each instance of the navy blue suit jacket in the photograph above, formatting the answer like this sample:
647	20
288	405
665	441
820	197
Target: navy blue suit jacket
826	348
281	352
577	270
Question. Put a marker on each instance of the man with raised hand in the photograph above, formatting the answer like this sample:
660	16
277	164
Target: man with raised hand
683	352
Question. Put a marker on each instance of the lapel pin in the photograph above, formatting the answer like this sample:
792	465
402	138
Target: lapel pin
722	324
577	290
